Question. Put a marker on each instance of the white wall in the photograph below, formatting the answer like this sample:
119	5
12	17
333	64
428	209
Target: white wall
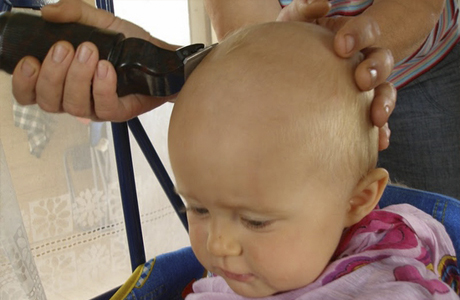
165	19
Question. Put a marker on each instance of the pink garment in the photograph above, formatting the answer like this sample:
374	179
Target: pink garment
398	252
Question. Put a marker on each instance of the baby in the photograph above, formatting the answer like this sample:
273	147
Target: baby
274	153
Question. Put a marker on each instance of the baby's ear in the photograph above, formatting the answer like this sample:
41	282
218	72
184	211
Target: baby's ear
366	195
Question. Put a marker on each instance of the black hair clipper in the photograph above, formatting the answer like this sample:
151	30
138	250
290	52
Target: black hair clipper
142	68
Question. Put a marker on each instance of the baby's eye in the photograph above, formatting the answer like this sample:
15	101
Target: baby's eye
200	211
255	224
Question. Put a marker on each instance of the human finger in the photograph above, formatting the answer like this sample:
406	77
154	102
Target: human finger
384	137
66	11
77	91
356	34
383	103
374	69
107	104
304	10
51	79
25	76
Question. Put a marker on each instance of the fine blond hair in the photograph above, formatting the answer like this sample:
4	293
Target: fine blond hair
290	86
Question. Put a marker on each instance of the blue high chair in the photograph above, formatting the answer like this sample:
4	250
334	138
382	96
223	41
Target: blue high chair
443	208
146	282
170	276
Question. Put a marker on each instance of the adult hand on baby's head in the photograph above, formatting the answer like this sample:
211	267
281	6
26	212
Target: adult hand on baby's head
74	80
361	33
355	34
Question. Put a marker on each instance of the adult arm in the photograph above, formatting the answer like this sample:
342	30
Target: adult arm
228	16
417	17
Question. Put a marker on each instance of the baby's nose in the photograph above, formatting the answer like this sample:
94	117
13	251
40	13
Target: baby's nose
223	242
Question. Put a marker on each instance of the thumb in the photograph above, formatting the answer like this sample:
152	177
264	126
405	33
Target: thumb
304	10
66	11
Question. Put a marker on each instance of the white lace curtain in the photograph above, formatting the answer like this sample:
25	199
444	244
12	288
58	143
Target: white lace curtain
18	272
61	228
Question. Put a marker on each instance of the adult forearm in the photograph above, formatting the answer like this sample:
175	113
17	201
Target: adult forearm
227	16
404	24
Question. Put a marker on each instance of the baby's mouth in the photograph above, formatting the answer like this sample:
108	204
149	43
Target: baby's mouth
237	277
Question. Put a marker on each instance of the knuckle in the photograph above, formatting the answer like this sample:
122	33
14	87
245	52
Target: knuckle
24	100
105	115
375	28
48	106
369	25
50	80
106	112
23	97
75	109
390	58
389	89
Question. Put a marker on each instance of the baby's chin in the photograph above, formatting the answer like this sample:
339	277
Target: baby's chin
255	289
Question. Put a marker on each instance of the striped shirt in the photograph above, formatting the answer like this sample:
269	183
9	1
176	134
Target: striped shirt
441	40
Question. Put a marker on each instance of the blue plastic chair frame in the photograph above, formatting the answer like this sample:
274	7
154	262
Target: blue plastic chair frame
127	181
157	166
128	186
7	5
126	175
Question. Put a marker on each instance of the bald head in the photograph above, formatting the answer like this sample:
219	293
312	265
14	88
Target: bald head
275	92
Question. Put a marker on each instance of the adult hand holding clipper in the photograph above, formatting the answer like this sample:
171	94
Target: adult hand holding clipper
75	76
142	67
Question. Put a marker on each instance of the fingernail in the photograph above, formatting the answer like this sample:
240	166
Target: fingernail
27	69
84	53
373	73
349	43
102	70
387	109
59	53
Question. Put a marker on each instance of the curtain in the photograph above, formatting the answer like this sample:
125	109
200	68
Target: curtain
18	272
61	225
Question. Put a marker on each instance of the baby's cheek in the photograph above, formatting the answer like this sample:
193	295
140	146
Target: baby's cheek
268	258
198	241
289	263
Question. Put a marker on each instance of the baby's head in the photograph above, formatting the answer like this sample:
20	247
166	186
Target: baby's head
274	152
